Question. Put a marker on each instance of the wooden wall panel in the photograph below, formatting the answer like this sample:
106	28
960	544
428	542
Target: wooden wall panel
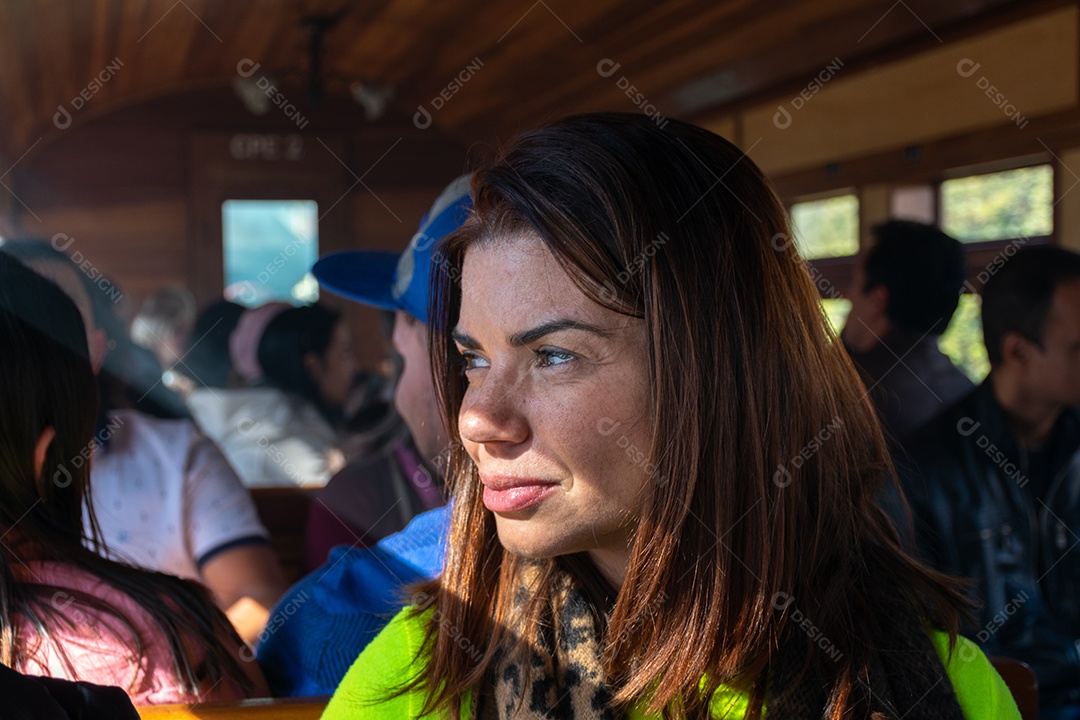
1033	63
874	208
105	162
374	218
1067	209
140	190
140	246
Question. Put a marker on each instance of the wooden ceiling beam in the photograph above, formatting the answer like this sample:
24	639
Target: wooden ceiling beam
1012	11
928	162
536	64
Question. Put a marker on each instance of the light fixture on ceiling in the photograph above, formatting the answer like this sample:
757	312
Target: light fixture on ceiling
371	96
252	94
317	28
256	91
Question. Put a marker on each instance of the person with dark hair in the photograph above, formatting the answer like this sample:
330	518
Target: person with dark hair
31	697
307	352
165	497
282	429
377	494
129	376
206	360
904	293
628	369
994	481
327	618
65	610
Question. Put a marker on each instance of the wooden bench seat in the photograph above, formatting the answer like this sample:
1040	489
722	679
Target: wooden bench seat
303	708
284	512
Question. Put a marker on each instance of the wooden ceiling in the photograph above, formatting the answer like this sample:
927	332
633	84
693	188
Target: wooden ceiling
500	65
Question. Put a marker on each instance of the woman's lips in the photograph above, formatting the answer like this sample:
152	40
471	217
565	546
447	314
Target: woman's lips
504	495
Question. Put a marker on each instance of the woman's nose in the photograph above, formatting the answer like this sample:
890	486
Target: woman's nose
492	411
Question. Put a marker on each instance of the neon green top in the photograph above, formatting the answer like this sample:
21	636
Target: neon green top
390	661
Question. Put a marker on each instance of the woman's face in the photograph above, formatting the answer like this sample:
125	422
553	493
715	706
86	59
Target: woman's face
335	370
555	416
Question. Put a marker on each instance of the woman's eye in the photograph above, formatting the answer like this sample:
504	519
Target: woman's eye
472	361
552	357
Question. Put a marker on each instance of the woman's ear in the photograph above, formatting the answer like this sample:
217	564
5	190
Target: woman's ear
43	442
313	364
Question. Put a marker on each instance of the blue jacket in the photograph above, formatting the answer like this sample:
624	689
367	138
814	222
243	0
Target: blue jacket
319	627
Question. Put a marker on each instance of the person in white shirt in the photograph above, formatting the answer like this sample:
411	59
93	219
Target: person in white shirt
281	430
165	497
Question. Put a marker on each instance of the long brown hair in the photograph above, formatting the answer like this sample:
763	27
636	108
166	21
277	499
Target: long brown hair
46	381
768	457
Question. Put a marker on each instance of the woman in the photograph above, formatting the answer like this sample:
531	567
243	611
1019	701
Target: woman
664	495
206	359
65	611
283	428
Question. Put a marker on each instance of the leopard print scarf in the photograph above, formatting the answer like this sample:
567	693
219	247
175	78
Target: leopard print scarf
566	679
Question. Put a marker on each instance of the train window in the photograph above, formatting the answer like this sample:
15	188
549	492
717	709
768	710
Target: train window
963	339
1000	205
827	228
269	247
836	309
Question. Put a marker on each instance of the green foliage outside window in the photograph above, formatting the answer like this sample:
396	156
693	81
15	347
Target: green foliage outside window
963	340
837	311
827	228
998	206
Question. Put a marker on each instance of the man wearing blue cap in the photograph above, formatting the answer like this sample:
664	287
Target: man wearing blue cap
320	626
377	494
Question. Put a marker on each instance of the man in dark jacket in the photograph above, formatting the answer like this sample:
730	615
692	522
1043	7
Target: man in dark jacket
904	293
994	481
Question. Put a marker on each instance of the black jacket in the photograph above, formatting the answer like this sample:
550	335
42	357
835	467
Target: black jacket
910	381
975	516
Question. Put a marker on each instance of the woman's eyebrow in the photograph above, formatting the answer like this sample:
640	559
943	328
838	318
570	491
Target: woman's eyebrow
464	340
529	336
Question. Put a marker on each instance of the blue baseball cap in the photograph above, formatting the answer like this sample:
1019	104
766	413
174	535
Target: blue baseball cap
398	282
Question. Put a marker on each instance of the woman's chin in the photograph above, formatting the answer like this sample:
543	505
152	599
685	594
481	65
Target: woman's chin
532	543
